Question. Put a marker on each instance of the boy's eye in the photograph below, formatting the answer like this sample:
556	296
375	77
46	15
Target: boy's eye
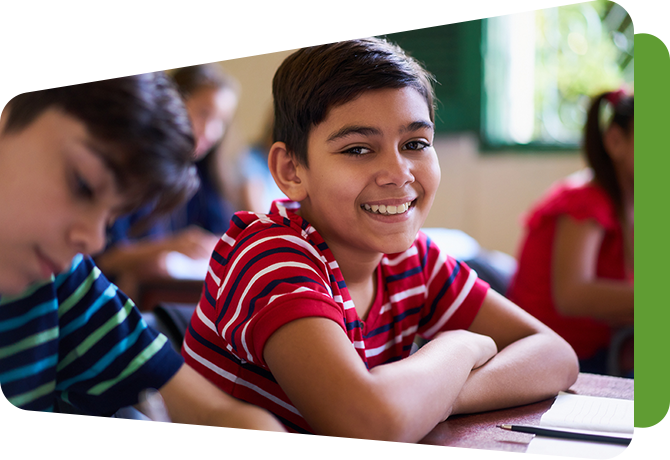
416	145
357	150
81	187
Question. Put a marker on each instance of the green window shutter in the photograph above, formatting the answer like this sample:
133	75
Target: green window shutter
452	53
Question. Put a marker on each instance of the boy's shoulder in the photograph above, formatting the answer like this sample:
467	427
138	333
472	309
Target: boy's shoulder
282	218
255	235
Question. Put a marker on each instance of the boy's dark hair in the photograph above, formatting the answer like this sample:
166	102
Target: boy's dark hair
594	148
313	80
141	126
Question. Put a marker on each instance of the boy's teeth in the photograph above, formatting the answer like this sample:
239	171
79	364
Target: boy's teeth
388	210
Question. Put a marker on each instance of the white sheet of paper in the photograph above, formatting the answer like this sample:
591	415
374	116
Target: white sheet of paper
590	413
584	413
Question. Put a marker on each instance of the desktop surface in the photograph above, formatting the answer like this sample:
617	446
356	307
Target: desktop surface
480	431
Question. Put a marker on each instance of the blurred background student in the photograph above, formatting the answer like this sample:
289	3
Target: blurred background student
135	253
575	270
258	189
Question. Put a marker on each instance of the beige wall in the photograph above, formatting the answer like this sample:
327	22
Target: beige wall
483	195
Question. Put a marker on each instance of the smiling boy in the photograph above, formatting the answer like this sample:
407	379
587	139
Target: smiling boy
311	311
71	160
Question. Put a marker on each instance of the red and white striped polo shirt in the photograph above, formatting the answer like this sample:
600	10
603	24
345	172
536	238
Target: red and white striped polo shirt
268	270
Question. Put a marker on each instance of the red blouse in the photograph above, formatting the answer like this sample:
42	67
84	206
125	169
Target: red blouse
531	286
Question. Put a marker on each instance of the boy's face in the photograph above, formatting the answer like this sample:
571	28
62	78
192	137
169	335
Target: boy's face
371	154
211	111
56	198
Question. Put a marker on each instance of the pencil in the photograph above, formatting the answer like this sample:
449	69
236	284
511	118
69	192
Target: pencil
565	434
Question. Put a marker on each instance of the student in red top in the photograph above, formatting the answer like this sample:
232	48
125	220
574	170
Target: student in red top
576	261
311	311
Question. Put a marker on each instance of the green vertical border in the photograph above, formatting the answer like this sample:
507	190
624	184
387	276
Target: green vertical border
652	238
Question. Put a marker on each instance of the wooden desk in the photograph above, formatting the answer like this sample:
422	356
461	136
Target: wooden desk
480	431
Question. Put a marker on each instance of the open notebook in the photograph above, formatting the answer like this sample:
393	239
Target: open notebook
588	413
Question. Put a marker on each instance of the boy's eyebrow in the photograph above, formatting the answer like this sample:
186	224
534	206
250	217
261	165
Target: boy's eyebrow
353	129
371	131
417	125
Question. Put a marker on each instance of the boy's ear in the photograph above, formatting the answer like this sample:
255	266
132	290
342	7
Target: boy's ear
286	172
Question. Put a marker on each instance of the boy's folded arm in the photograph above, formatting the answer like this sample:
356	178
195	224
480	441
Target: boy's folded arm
191	398
533	362
320	371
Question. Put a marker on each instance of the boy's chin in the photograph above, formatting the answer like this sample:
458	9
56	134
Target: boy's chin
398	244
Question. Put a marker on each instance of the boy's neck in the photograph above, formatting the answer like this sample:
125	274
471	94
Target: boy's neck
359	273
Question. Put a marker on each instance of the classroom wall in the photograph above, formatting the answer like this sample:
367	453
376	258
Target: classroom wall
482	194
486	194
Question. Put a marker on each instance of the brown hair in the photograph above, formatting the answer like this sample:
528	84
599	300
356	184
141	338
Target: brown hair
189	80
594	148
192	78
142	124
313	80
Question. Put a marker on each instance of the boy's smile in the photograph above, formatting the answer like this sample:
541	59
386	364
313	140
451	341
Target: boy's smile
372	174
57	196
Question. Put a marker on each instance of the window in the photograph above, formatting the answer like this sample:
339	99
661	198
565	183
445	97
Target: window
542	67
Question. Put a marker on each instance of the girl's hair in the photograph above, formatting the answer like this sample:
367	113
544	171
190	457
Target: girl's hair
620	107
313	80
191	79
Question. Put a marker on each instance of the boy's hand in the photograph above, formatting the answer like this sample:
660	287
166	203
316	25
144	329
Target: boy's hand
482	347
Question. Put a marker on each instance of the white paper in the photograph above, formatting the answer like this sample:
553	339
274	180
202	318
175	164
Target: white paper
584	413
590	413
183	267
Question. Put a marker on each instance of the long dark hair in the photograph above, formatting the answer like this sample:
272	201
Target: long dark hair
193	78
621	106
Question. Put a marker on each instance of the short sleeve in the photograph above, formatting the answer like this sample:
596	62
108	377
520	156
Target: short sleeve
273	278
107	353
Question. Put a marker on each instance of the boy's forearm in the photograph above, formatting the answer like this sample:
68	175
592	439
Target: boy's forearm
424	386
531	369
399	401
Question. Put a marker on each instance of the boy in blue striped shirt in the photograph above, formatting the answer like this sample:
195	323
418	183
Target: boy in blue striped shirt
72	159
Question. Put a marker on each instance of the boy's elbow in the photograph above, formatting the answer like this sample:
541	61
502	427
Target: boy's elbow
566	363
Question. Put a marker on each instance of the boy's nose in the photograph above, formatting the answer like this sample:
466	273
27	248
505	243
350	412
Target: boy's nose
394	169
88	235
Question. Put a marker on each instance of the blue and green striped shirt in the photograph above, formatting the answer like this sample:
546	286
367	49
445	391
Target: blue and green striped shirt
80	339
